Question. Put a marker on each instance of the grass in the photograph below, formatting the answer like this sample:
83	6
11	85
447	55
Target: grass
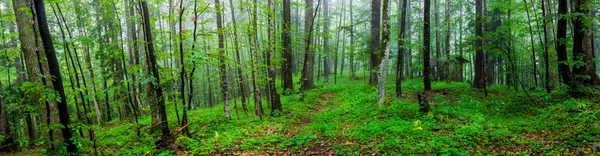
344	119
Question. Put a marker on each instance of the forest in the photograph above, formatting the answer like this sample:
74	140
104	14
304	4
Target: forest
299	77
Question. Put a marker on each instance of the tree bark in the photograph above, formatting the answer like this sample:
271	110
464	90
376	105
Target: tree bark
307	71
386	53
253	30
374	53
63	110
401	38
479	80
288	84
326	66
584	69
155	87
275	101
426	46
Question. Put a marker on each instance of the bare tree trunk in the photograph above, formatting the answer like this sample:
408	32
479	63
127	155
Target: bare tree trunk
479	79
63	110
401	38
426	46
276	108
532	45
386	53
253	30
448	33
326	66
374	53
153	68
582	45
307	71
288	84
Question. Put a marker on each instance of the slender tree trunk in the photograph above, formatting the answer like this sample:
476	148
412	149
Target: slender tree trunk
326	66
448	33
288	84
386	53
479	80
55	72
561	46
401	38
253	30
182	73
374	53
532	45
153	67
275	101
222	55
307	71
436	64
351	53
546	46
426	46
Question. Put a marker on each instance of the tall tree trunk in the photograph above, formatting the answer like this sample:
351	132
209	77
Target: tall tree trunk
288	84
351	53
307	71
561	46
63	110
29	49
479	80
182	73
532	45
253	30
426	46
222	55
374	53
582	44
436	63
448	33
546	46
386	53
155	86
337	48
326	66
401	38
275	101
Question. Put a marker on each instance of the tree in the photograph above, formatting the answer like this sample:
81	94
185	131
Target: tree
447	63
351	53
222	69
385	45
401	38
546	46
252	30
479	80
288	84
532	45
309	58
584	69
426	46
326	66
275	101
182	66
33	62
155	91
374	53
63	110
561	46
8	143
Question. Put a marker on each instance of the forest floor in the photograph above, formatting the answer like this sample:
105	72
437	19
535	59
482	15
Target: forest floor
343	118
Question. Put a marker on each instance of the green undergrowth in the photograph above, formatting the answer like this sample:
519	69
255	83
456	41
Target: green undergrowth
344	118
